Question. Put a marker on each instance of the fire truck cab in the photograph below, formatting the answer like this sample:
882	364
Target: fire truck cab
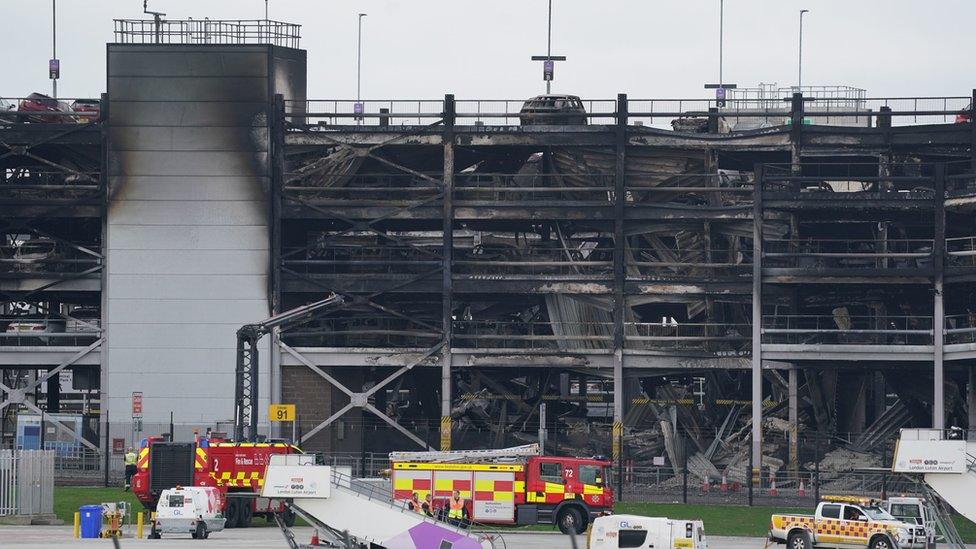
509	486
236	469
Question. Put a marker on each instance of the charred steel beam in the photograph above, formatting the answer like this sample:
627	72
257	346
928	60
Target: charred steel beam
447	234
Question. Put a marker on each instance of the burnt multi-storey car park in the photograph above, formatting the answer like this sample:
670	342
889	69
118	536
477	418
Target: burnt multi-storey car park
607	269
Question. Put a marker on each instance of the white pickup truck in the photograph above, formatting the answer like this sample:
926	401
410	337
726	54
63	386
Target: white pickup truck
844	523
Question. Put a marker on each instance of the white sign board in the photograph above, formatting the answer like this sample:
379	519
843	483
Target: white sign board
930	456
297	481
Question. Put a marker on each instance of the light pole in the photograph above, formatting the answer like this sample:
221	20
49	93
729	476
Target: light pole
358	107
548	60
54	52
549	45
265	10
721	28
799	70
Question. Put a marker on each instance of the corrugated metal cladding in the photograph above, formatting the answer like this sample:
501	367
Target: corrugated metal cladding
188	243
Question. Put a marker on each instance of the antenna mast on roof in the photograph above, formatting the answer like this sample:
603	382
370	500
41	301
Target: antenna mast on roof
157	19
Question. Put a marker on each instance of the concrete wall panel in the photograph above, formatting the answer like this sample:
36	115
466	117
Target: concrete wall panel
188	255
188	237
244	212
172	138
192	114
193	88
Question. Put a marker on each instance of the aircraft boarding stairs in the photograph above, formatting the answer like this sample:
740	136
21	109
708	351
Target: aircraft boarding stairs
355	511
947	463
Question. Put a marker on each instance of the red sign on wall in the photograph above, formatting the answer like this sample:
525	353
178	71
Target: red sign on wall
137	404
118	446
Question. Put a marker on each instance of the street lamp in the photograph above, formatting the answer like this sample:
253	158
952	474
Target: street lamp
358	107
548	60
799	75
721	28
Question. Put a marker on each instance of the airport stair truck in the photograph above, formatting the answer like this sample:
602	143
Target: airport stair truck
947	463
347	512
235	469
508	486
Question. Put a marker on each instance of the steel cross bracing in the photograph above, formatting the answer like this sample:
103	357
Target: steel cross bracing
367	299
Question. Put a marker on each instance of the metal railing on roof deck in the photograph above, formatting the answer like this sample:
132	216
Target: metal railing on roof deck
650	112
843	329
207	31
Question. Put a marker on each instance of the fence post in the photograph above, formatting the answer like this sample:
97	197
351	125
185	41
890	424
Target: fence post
816	473
751	475
684	484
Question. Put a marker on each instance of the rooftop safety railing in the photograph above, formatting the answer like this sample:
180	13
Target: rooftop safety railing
960	328
848	253
844	329
961	251
207	31
505	334
41	109
683	114
655	260
674	336
500	261
59	332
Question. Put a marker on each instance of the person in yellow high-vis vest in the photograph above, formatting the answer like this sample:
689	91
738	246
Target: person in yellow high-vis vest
130	466
455	509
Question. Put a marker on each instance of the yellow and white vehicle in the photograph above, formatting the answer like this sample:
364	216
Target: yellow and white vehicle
613	531
846	523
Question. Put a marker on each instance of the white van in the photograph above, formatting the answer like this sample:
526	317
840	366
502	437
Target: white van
194	510
619	531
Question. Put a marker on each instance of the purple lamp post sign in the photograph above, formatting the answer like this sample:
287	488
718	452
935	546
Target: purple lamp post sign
548	68
54	69
357	109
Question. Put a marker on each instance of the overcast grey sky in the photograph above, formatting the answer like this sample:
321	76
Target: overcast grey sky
481	49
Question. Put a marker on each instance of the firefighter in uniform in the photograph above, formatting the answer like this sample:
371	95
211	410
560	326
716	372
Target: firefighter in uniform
456	510
130	466
428	506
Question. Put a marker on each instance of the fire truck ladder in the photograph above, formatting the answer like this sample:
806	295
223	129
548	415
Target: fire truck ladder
527	450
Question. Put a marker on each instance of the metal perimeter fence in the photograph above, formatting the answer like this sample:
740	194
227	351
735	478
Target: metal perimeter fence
26	482
645	471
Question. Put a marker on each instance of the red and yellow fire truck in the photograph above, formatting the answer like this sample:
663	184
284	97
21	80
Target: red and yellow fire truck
509	486
231	467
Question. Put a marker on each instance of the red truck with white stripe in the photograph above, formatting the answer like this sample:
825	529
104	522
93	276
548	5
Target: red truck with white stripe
509	486
231	467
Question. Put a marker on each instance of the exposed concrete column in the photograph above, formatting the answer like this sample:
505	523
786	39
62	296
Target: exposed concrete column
447	289
757	324
794	383
619	280
938	310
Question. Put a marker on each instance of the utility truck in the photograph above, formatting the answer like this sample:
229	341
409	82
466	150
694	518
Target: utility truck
613	531
508	486
846	522
193	510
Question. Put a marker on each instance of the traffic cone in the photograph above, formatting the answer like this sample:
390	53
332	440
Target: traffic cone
724	487
772	486
801	491
315	538
706	485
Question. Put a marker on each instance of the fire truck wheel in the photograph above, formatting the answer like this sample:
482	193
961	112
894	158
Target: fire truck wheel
201	531
570	521
246	513
233	513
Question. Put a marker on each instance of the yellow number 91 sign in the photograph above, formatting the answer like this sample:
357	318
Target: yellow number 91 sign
281	412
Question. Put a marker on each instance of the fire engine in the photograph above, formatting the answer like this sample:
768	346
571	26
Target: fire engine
231	467
508	486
